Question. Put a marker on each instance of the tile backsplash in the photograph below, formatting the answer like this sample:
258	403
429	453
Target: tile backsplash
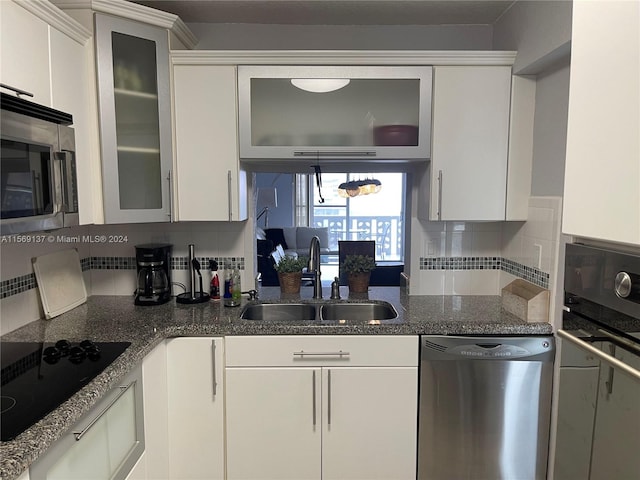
467	258
454	258
107	255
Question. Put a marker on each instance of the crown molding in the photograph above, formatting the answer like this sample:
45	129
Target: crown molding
343	57
55	17
134	11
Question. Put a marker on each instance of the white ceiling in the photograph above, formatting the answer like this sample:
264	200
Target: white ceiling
336	12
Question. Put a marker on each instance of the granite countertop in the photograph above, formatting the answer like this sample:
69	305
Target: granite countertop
116	318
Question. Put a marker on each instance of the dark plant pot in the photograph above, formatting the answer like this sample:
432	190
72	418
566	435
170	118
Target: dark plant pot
359	282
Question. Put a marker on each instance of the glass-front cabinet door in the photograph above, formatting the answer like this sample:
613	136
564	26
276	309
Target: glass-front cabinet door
291	112
135	119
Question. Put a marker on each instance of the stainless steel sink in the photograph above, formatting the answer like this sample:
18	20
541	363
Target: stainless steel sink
279	312
358	311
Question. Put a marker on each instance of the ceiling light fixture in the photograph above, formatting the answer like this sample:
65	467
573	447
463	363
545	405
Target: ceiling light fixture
320	85
353	188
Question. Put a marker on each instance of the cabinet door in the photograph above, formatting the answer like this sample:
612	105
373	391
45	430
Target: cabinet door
273	423
105	444
469	143
373	112
602	170
616	438
24	51
369	423
196	408
207	144
71	92
135	119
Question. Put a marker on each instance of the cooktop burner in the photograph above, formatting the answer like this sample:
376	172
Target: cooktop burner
38	377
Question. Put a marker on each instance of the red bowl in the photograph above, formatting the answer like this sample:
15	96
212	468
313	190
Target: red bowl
396	135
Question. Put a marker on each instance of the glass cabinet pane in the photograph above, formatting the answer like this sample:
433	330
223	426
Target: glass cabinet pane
135	119
137	125
381	111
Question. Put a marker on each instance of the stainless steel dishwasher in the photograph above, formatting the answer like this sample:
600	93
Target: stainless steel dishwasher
485	406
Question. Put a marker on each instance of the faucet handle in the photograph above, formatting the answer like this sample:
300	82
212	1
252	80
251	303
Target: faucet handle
253	294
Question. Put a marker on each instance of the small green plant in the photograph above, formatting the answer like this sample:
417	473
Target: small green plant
291	264
358	264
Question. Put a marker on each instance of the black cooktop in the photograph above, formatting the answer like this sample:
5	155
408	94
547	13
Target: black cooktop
38	377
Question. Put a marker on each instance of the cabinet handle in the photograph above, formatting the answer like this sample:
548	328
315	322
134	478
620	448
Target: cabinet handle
612	361
439	194
213	361
314	397
329	397
123	390
170	195
609	382
17	90
229	192
335	153
303	354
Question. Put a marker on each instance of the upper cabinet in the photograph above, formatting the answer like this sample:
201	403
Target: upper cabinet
602	172
206	143
135	119
481	144
297	112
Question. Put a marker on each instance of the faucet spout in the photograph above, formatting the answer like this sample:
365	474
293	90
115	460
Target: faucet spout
314	266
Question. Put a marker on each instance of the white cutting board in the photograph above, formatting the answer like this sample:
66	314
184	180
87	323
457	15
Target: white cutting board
60	281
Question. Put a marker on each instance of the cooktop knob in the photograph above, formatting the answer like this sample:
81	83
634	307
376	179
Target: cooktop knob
626	285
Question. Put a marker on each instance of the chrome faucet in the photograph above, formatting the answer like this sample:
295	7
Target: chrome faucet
314	266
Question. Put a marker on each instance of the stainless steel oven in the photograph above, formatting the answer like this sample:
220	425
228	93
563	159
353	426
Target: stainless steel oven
598	428
38	184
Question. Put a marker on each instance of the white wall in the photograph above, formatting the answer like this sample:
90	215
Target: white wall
550	131
539	30
341	37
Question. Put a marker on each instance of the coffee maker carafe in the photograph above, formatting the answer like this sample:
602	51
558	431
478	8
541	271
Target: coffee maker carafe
153	261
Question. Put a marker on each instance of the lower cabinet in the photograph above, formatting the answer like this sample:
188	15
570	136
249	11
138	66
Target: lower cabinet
105	444
195	408
321	407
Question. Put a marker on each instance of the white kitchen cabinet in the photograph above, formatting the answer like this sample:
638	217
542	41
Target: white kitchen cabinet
105	444
156	413
195	376
321	407
602	170
135	119
24	51
616	437
469	142
206	144
281	120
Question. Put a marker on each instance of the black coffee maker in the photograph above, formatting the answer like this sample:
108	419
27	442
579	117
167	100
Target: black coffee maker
153	261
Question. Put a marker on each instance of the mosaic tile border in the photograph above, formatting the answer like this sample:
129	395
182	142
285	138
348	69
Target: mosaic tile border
533	275
14	286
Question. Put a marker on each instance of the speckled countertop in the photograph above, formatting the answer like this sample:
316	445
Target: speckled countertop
117	319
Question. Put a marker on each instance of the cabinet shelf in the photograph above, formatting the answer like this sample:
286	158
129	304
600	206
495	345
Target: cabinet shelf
135	94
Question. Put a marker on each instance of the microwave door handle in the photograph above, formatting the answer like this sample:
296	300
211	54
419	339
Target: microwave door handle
59	204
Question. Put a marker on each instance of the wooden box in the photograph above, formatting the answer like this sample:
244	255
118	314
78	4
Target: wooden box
526	301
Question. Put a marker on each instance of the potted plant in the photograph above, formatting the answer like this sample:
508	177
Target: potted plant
358	269
290	273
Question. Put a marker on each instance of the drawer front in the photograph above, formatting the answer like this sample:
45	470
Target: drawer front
322	350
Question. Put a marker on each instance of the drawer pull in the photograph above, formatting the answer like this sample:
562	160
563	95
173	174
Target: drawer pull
303	354
123	390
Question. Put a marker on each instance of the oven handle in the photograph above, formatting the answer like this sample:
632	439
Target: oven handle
123	390
612	361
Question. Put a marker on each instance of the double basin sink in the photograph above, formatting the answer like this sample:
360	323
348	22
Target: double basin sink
367	311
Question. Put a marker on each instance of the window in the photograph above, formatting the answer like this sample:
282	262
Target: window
378	216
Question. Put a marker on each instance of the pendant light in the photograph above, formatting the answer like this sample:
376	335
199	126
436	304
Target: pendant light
354	188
